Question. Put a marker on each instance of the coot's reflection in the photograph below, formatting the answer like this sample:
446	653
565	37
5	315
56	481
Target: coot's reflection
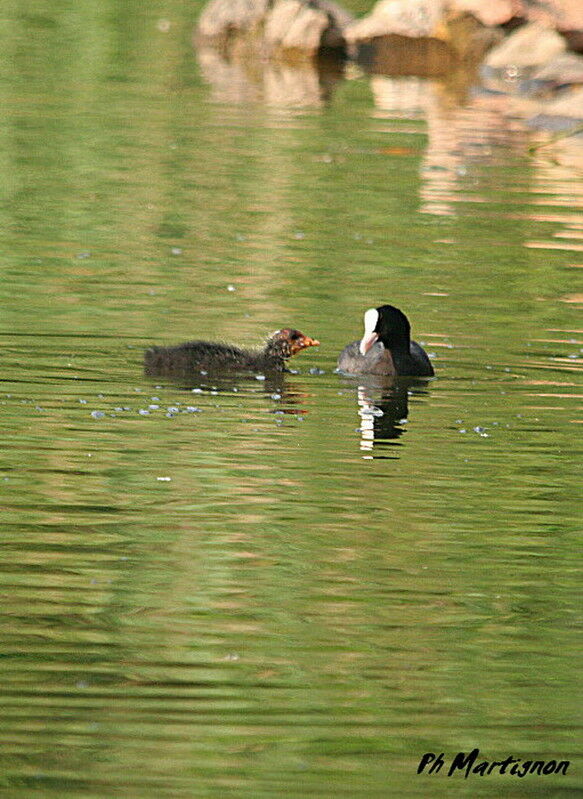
383	408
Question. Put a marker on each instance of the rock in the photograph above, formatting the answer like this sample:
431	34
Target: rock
303	26
298	25
224	17
565	68
424	17
560	14
494	12
412	18
564	15
528	47
446	34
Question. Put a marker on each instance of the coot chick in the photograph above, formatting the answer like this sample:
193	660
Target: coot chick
208	356
386	347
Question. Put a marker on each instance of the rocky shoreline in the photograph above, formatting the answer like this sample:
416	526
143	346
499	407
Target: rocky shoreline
531	52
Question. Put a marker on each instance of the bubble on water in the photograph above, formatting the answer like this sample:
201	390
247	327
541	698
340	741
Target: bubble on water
371	411
97	414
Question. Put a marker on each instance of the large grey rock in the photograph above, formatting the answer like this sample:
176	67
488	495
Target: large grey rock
528	47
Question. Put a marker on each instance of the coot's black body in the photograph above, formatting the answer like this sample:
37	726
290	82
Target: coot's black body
208	356
386	347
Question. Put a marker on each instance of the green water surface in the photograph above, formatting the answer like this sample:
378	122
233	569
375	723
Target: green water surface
277	588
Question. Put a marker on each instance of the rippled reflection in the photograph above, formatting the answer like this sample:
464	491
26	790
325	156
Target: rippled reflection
246	78
383	408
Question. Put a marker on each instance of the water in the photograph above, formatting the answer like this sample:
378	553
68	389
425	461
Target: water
303	585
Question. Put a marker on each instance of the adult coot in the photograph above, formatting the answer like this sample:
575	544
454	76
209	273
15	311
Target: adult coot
208	356
386	347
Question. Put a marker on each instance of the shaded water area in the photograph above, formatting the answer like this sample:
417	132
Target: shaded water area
264	587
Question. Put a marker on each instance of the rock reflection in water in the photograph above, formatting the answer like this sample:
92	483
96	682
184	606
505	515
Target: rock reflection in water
243	78
460	137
